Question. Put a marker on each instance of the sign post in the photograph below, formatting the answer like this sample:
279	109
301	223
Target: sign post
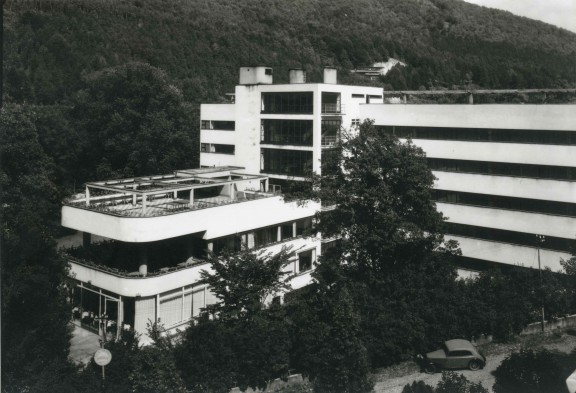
102	357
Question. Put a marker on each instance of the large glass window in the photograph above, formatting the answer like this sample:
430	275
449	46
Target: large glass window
545	137
288	102
265	236
331	102
287	132
286	162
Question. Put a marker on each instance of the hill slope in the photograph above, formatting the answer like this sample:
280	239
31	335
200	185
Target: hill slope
50	44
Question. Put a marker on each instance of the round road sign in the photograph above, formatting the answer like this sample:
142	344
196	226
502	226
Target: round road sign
102	357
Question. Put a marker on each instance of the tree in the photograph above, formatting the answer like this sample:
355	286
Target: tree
35	315
381	189
533	372
244	280
134	122
326	336
458	383
392	257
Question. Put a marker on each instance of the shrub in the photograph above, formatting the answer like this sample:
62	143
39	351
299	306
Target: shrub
531	372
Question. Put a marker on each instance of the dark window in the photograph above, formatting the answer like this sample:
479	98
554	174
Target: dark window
268	71
305	260
287	132
265	236
460	353
286	162
216	148
357	95
331	103
206	125
223	125
503	169
228	243
304	226
512	237
508	203
287	231
544	137
290	102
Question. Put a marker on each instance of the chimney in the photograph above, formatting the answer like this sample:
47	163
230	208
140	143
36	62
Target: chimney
297	75
330	74
258	75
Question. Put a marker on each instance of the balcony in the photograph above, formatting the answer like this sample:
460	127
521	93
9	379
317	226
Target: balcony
332	109
328	141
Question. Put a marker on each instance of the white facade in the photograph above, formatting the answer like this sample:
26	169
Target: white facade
541	138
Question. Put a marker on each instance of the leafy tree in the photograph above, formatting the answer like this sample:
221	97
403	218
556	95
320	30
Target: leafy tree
206	357
243	281
35	335
533	372
326	336
458	383
418	387
392	256
382	192
134	122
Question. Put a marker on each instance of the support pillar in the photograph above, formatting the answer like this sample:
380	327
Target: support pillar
470	98
143	268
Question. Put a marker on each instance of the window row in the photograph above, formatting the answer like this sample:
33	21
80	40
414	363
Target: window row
263	236
513	237
286	162
286	132
216	148
483	135
503	169
223	125
503	202
288	102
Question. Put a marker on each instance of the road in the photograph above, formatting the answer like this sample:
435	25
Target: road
393	379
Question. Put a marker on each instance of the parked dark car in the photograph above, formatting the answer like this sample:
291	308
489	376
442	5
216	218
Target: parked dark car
454	354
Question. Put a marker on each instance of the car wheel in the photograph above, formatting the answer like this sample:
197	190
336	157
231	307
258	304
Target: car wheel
475	365
430	368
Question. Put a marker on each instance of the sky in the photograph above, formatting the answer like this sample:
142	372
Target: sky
561	13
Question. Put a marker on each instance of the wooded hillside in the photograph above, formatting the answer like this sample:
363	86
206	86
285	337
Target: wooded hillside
51	44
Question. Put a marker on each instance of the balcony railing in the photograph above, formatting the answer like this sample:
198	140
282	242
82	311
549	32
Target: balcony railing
331	109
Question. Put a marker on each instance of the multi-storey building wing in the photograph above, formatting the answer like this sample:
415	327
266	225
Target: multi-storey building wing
505	174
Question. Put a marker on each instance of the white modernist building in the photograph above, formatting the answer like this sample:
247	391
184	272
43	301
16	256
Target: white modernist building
506	173
157	230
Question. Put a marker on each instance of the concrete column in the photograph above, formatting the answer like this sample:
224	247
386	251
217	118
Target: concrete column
293	229
87	196
191	196
143	268
470	98
404	98
279	236
210	246
143	204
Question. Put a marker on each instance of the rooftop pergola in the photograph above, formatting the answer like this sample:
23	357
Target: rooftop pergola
142	191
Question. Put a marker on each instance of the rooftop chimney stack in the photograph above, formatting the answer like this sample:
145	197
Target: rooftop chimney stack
297	75
330	75
258	75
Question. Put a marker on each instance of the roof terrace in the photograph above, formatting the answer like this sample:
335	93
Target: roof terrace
181	191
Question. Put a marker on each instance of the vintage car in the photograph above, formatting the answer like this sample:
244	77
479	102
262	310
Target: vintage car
454	354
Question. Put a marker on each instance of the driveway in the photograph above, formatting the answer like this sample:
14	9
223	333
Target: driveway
393	379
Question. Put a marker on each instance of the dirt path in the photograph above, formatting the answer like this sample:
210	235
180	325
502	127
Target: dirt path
393	379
